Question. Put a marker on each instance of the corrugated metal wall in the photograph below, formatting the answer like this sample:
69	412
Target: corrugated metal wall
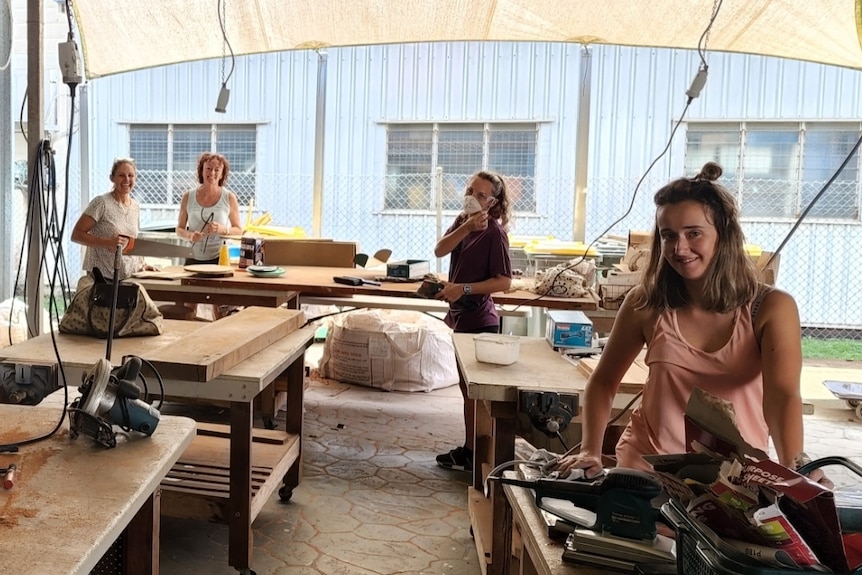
638	95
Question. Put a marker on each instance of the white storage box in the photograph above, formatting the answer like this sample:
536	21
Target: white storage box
496	348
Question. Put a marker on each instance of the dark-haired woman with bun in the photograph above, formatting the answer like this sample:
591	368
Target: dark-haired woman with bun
707	321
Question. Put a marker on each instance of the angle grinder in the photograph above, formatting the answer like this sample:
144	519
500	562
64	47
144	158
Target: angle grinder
111	397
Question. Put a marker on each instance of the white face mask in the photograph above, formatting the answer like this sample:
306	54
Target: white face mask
471	205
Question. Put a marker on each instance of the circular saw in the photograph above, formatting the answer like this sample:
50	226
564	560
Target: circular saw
110	396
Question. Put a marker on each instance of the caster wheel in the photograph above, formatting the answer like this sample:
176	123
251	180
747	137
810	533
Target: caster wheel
246	572
853	402
859	411
285	493
269	423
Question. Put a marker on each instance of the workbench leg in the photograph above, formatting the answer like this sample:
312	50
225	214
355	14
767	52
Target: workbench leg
295	399
240	541
503	419
141	539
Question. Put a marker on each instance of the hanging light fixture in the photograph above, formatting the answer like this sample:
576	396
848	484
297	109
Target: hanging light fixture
224	92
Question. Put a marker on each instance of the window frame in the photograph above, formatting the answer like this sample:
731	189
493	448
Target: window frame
740	182
455	186
174	189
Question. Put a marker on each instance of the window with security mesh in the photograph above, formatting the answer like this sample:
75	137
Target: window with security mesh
776	169
167	155
415	152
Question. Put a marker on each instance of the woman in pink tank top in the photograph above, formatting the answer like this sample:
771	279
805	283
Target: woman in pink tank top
692	310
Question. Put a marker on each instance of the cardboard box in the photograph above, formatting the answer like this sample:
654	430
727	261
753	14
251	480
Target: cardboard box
310	252
409	269
250	252
569	329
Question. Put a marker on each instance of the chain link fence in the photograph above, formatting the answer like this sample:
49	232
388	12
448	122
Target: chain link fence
407	214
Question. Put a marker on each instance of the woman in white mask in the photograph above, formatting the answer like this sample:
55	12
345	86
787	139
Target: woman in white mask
479	266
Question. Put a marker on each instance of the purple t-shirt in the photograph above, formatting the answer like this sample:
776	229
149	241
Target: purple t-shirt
479	256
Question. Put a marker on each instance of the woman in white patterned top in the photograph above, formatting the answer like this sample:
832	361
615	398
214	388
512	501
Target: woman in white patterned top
109	220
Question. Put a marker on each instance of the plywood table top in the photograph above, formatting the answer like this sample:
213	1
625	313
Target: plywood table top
72	498
539	367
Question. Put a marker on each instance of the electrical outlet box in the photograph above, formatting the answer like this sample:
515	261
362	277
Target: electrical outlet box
27	383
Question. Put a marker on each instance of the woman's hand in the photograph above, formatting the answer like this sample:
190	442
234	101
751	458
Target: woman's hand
214	229
450	292
818	476
195	237
477	222
591	464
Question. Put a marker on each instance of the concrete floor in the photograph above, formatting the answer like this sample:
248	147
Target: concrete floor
373	501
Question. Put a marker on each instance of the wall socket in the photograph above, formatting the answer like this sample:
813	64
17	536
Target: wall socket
27	383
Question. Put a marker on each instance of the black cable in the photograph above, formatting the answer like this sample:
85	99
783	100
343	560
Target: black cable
813	201
21	115
619	219
158	378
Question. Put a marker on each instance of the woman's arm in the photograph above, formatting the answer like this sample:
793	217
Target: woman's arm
624	344
183	221
81	234
452	292
473	223
780	336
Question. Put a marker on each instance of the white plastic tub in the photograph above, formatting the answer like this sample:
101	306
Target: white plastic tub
496	348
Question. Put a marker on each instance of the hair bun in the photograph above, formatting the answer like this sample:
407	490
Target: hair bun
710	171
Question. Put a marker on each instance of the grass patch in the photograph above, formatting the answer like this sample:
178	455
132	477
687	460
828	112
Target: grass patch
844	349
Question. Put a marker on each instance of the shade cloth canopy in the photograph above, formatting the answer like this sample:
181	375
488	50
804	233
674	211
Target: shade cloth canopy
123	35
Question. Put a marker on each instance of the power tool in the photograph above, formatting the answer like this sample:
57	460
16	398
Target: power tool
621	500
111	397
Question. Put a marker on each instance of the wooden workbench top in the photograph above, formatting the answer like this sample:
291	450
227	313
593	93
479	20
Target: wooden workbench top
241	382
73	499
538	367
311	280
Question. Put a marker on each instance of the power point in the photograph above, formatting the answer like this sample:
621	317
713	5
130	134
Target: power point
70	63
697	84
223	97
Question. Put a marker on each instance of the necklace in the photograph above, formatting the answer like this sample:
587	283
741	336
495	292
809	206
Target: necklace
125	205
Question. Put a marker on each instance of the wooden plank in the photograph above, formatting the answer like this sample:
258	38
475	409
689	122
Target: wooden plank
219	346
633	380
259	435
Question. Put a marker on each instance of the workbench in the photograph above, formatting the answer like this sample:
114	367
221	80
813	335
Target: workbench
240	288
535	551
495	389
229	472
74	501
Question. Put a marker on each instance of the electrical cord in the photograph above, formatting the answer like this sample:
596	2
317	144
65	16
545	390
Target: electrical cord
616	221
42	204
813	201
693	92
